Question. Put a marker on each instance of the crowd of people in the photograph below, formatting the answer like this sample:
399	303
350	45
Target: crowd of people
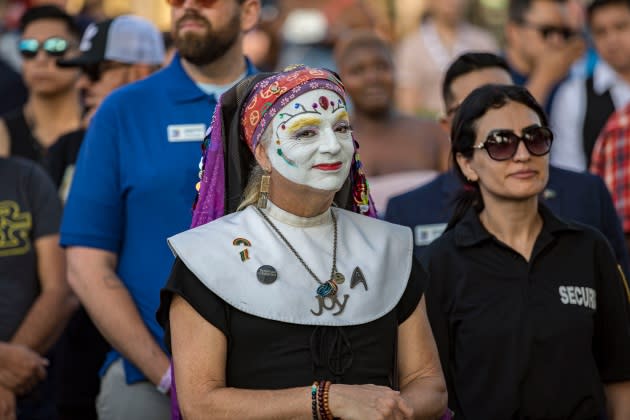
281	209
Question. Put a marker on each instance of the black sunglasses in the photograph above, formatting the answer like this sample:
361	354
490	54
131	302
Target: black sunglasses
502	144
54	47
547	31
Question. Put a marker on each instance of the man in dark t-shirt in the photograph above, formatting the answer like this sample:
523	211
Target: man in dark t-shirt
11	87
35	299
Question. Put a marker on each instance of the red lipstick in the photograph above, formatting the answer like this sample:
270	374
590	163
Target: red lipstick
328	166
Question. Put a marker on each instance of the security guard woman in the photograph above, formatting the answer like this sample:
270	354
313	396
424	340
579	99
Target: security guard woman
529	311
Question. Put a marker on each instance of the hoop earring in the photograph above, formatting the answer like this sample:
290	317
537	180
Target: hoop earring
264	191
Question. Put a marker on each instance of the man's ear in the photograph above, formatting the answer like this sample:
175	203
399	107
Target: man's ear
250	14
261	157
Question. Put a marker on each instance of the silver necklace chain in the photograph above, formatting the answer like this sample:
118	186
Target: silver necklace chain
288	244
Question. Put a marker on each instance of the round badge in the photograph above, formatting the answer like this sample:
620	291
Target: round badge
266	274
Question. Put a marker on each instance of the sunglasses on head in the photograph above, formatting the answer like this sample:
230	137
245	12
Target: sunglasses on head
547	31
200	3
54	47
502	144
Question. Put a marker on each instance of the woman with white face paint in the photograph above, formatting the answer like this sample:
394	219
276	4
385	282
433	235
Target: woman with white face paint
296	304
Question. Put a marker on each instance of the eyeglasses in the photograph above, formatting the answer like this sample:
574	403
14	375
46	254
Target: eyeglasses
54	47
503	144
95	72
200	3
547	31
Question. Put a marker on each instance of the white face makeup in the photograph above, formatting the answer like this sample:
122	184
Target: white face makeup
312	142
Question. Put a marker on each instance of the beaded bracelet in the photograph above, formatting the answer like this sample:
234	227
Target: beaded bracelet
320	400
329	415
314	388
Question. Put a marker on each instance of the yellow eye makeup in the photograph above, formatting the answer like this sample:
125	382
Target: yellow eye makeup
343	115
303	123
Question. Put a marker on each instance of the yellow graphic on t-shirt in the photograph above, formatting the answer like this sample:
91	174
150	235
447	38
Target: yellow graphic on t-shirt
15	229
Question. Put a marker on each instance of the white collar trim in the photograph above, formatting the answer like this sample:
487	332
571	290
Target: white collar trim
284	216
374	256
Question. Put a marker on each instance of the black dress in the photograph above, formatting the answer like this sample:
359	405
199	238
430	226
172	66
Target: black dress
267	354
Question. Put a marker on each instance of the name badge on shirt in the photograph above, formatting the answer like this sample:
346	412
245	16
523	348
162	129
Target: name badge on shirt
425	234
186	132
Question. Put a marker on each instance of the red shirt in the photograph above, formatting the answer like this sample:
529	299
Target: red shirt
611	161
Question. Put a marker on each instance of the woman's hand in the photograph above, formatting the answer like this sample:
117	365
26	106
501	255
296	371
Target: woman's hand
368	402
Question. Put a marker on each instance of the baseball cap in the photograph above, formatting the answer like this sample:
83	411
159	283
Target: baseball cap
126	39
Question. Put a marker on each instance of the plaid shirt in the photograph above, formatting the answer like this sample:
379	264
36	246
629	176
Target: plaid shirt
611	161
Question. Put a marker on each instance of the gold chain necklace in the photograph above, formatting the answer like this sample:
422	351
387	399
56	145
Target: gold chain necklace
325	289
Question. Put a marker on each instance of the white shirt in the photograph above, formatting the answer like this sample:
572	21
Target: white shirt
569	108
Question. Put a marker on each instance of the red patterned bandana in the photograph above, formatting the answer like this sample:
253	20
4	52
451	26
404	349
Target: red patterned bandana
272	94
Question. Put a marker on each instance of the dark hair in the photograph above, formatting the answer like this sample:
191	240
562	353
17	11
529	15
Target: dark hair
467	63
517	9
50	12
464	134
598	4
359	38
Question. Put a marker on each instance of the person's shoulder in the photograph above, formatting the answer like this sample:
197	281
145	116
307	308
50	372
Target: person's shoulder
215	226
618	125
580	232
149	85
569	180
139	92
570	89
20	168
19	164
372	223
443	248
566	178
567	225
428	191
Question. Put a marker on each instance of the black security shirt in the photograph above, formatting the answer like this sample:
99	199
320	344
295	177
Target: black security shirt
528	340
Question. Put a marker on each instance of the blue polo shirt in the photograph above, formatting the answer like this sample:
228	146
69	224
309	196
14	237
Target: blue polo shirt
134	183
581	197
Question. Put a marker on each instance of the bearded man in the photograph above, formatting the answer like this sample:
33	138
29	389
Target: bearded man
133	188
